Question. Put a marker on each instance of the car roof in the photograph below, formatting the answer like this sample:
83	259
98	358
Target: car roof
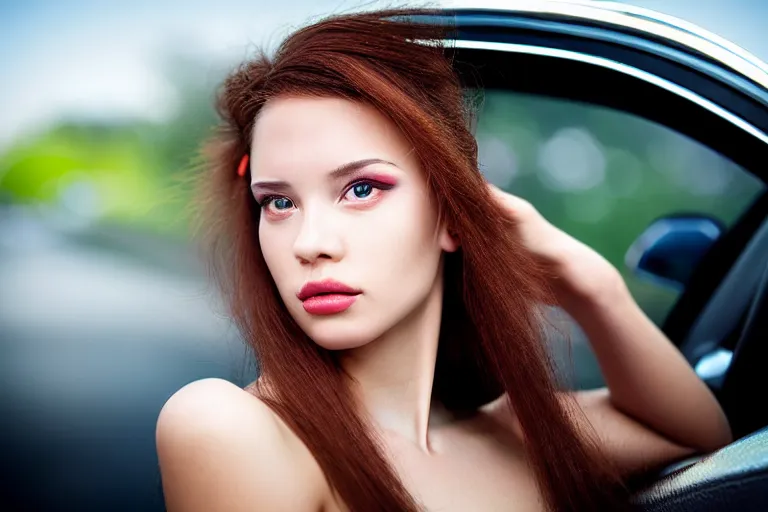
649	23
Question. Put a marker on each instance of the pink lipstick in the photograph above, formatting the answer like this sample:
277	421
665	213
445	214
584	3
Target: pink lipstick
327	297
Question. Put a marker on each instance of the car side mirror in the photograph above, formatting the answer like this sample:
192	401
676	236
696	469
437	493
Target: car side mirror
670	248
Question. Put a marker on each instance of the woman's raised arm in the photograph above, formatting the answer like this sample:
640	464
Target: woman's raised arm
648	379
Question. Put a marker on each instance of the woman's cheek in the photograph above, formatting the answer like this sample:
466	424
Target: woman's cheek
271	243
382	227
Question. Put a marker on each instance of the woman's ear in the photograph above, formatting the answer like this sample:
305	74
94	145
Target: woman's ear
449	240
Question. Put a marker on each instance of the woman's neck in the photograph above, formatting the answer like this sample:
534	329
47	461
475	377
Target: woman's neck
394	374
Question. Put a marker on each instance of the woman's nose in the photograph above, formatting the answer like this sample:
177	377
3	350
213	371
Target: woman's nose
318	238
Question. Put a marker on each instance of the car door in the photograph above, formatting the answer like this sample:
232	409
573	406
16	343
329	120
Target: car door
607	117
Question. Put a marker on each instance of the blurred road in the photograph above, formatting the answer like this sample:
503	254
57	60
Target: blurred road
94	337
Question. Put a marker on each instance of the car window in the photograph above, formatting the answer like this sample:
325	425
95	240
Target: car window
604	176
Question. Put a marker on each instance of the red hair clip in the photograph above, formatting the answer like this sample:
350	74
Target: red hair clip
243	165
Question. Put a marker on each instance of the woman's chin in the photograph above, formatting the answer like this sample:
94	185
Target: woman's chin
340	335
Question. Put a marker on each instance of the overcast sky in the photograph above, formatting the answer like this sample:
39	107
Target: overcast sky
104	58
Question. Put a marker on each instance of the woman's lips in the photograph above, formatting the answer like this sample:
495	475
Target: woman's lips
327	297
328	304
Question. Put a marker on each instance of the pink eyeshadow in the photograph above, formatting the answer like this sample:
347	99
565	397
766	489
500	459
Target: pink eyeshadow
382	178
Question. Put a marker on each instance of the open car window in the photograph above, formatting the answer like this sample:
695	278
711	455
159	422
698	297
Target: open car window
604	176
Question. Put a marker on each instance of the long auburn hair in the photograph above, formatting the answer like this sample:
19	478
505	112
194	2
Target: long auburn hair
491	334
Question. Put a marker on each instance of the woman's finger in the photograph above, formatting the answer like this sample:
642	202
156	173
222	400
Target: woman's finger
510	202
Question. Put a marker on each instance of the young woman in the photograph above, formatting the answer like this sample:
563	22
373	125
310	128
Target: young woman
395	303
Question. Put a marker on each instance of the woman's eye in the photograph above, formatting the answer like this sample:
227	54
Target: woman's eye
282	203
362	190
276	204
359	191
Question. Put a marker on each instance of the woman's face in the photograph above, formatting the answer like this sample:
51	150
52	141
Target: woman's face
347	228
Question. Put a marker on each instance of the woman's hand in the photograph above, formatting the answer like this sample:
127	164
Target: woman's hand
577	271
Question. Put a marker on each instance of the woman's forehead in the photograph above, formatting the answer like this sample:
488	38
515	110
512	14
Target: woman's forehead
306	133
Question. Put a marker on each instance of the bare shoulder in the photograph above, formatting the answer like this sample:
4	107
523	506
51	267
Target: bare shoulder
221	448
214	404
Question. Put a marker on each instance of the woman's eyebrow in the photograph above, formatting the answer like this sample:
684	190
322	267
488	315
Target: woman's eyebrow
341	172
350	168
270	186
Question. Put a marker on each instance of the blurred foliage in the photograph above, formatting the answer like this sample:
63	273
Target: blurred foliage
136	170
118	160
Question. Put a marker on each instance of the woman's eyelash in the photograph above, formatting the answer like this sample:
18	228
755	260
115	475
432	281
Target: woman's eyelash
368	181
264	201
